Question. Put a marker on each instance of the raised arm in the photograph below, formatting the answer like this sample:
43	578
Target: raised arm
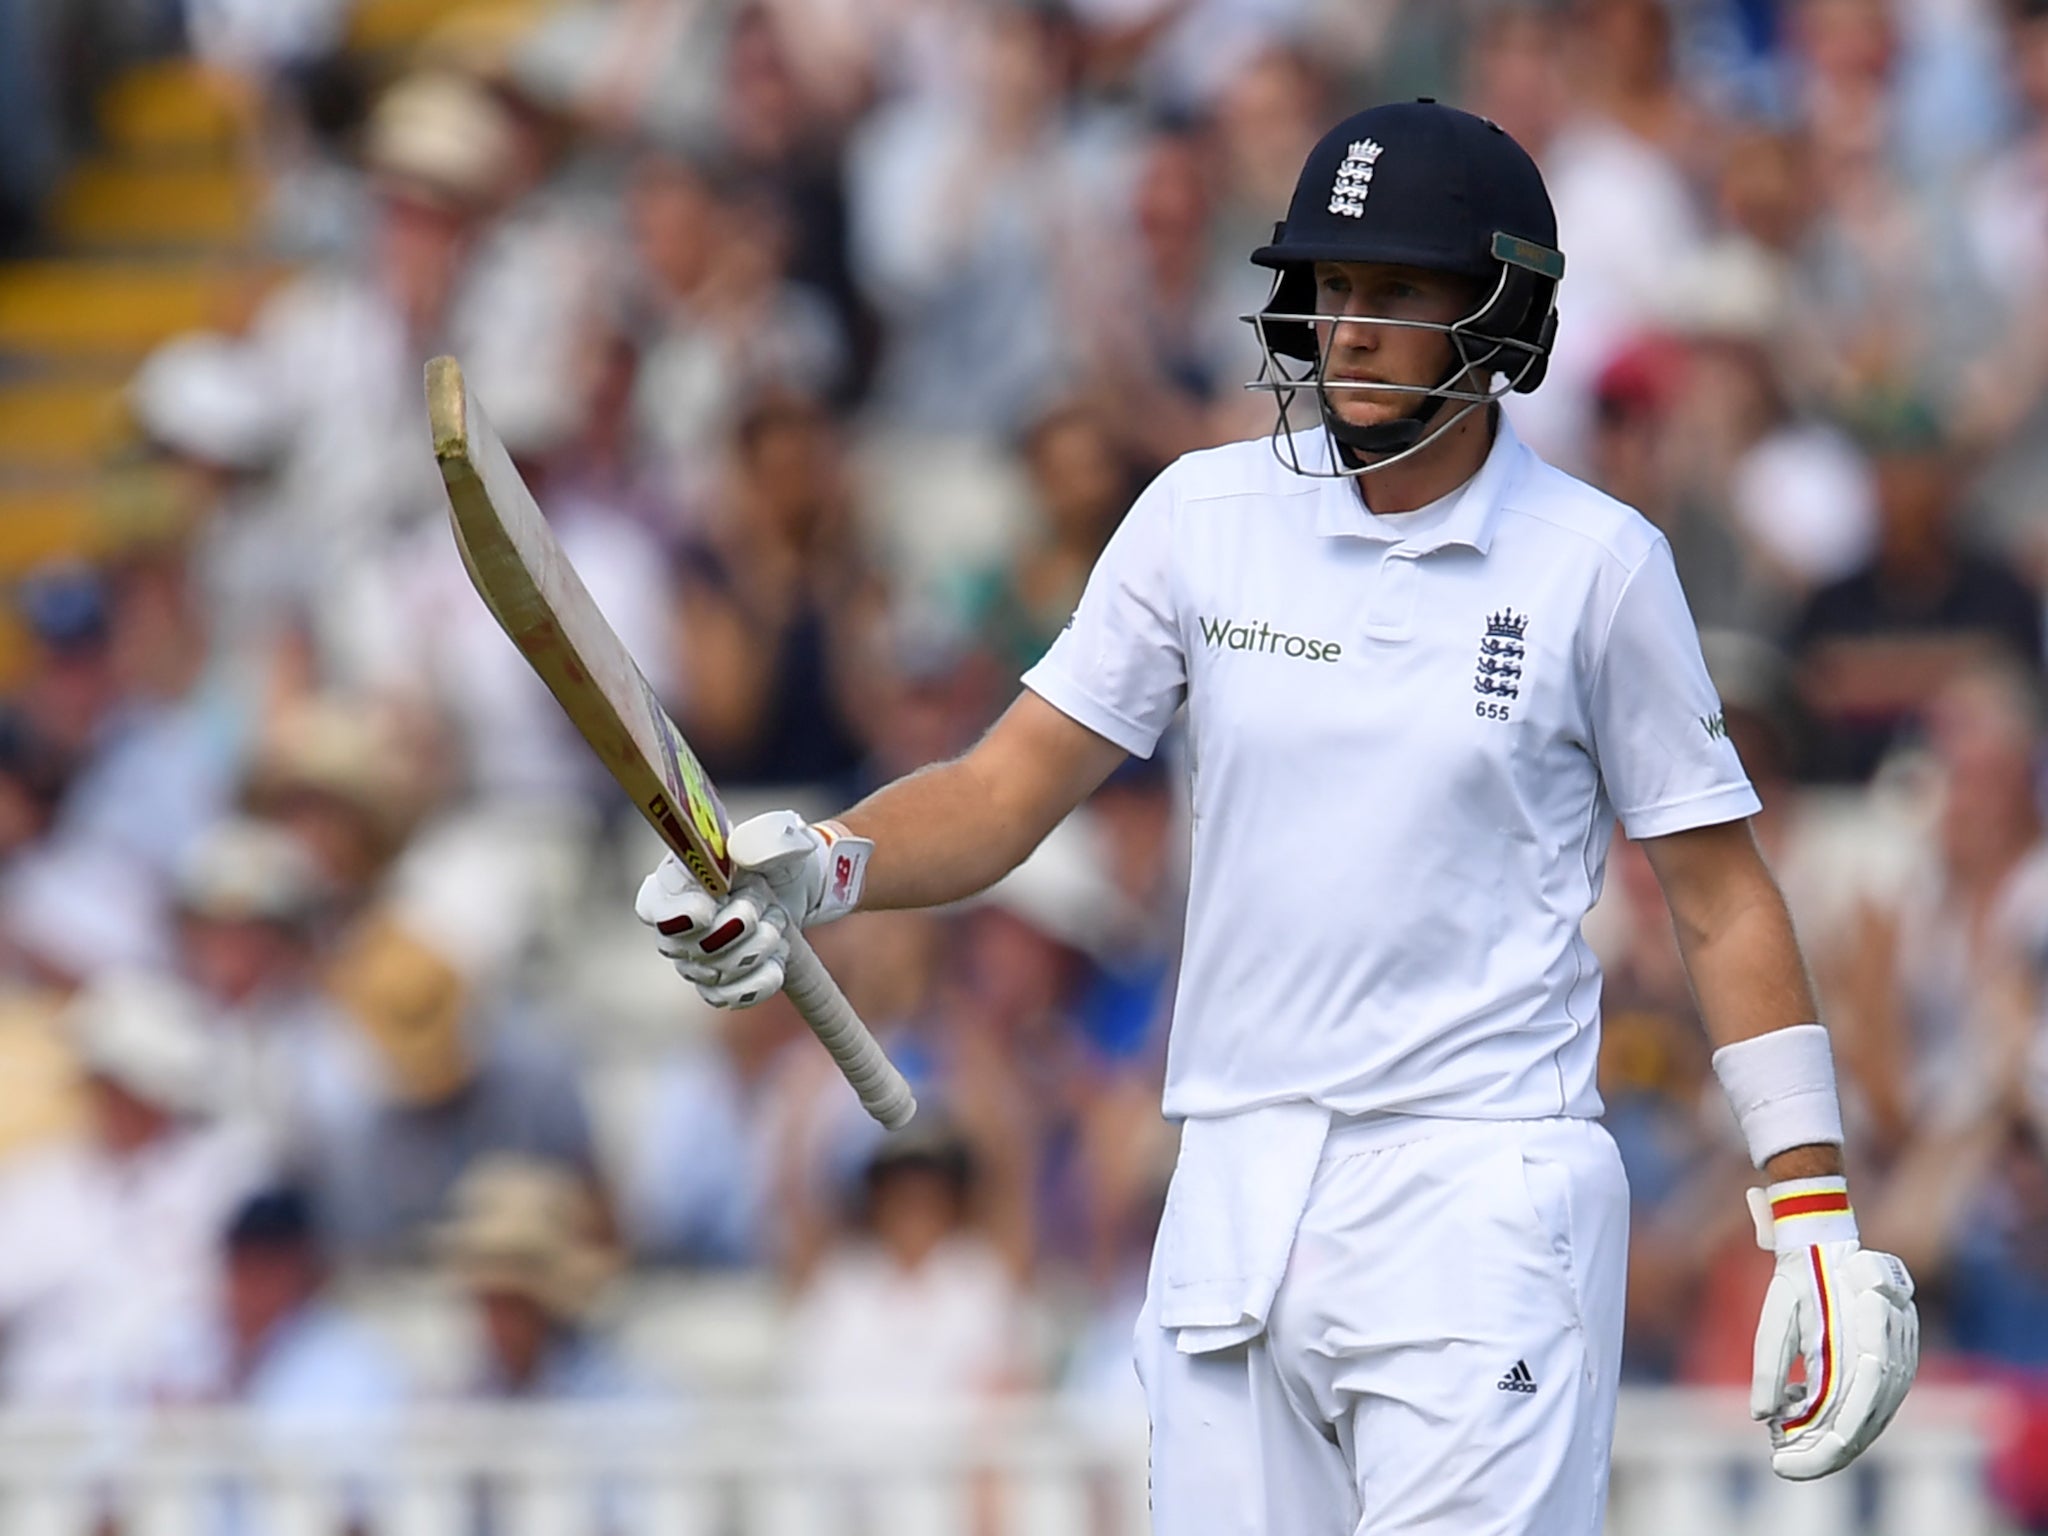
957	827
932	837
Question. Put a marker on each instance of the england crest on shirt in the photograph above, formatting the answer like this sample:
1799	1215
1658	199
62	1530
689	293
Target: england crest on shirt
1502	651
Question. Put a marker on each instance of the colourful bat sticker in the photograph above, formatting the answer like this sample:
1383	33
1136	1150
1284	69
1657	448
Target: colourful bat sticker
688	788
698	798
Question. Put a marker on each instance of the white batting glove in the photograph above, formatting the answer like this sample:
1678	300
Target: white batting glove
816	871
1847	1310
735	951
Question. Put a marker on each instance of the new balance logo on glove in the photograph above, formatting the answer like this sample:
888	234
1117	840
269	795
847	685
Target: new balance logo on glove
1517	1380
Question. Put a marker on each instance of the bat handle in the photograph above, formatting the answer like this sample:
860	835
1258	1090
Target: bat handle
883	1092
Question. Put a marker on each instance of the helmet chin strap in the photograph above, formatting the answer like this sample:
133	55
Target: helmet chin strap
1358	446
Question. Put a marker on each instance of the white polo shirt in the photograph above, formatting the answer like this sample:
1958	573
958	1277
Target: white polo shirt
1409	738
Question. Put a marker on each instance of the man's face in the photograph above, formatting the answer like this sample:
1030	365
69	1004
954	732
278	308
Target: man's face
1368	351
234	958
516	1331
265	1283
123	1121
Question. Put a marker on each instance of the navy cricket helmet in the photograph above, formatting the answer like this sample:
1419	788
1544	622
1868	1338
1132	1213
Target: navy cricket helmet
1415	184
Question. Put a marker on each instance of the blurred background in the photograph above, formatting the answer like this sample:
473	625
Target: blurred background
363	1169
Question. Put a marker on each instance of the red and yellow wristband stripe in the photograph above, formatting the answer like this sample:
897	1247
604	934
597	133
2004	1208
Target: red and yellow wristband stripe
1808	1212
1819	1203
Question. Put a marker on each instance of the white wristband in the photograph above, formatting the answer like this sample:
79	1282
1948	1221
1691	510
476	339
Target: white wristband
1803	1213
1782	1088
845	871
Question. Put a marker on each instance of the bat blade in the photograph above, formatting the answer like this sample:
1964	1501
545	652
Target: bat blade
531	589
539	601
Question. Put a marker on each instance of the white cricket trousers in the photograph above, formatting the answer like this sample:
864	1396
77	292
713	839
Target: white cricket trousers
1441	1357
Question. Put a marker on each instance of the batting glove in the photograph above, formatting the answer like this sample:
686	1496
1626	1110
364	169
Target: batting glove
1847	1311
735	950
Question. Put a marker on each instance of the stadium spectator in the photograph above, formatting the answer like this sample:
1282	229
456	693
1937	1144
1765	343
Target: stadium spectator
342	776
914	1306
721	320
1946	1004
1041	1022
110	1269
777	609
69	686
286	1347
936	690
1640	427
1895	299
532	1255
1082	485
2006	208
700	1187
432	1080
1163	355
314	1382
209	415
782	140
1625	209
340	348
2006	384
1272	106
250	907
170	755
1513	71
31	781
1792	489
961	204
528	1247
1874	647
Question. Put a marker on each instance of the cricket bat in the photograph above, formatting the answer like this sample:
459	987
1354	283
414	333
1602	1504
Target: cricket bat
539	601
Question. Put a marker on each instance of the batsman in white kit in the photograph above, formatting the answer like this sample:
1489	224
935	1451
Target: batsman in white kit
1424	672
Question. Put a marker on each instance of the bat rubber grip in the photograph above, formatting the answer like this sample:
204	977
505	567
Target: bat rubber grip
883	1092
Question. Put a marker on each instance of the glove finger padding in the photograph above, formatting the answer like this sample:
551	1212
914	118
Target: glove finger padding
739	957
729	929
748	930
1887	1335
733	949
1772	1392
676	906
751	987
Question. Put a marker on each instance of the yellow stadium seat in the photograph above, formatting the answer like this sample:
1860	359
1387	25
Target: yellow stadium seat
40	523
380	25
110	309
172	109
144	203
60	423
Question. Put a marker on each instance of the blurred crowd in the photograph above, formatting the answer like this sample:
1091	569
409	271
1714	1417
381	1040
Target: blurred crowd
836	336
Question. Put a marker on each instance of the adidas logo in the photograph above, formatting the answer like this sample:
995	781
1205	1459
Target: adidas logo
1517	1380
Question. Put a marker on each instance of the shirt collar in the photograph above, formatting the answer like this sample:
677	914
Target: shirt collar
1467	518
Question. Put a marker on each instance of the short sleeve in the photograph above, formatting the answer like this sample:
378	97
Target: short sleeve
1658	732
1119	667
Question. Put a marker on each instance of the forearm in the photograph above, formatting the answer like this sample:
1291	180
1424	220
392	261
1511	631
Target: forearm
940	835
1749	978
1744	963
947	831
